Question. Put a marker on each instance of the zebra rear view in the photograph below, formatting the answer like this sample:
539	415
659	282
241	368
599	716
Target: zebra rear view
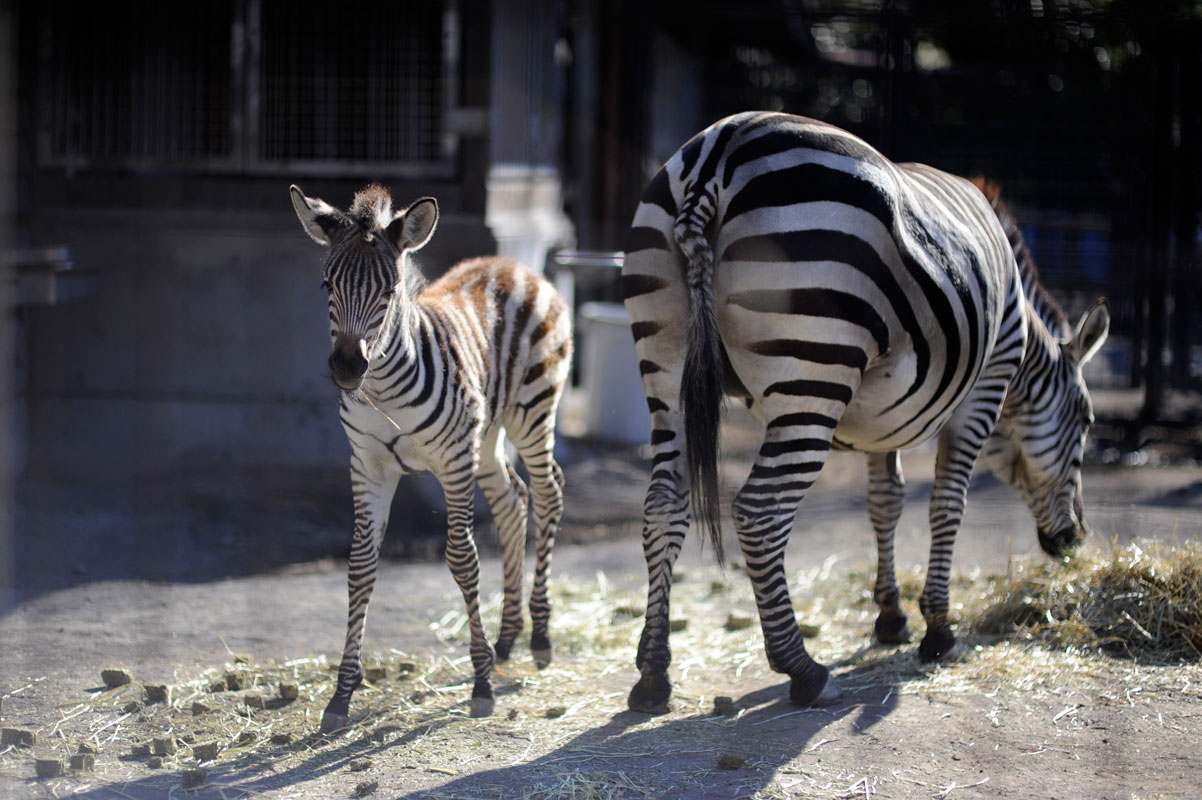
857	304
436	378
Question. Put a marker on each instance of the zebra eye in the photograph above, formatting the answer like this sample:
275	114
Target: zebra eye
326	285
388	293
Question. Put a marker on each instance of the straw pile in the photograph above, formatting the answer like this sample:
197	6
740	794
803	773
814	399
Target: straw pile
1143	601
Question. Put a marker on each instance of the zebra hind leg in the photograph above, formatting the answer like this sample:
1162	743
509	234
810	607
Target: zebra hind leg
665	523
507	499
764	510
548	510
666	517
536	445
464	562
886	495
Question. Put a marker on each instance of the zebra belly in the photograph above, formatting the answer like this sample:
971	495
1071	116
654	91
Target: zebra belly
873	417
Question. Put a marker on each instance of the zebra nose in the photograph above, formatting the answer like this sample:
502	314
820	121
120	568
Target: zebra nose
1063	542
348	362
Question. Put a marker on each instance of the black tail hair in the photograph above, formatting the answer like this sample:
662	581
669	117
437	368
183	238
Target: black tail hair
701	384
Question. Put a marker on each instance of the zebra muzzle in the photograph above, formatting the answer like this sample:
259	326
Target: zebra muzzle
348	363
1063	542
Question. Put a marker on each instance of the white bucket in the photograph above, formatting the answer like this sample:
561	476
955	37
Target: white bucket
615	408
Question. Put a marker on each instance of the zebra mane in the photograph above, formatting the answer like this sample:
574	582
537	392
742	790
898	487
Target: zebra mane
372	210
372	207
1046	307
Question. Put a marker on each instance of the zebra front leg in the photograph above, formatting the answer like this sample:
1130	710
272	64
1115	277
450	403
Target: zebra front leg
764	508
960	443
947	509
372	501
507	499
464	563
886	495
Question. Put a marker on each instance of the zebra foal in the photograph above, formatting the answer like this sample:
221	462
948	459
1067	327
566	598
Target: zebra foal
435	377
858	304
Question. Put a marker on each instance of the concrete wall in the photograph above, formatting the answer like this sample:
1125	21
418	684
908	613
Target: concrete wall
205	342
8	134
204	345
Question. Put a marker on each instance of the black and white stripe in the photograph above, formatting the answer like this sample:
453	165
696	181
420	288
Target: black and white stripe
857	304
436	378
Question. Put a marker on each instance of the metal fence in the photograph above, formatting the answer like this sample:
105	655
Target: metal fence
247	86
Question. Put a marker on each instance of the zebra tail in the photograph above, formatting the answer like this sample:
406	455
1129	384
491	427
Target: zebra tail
701	385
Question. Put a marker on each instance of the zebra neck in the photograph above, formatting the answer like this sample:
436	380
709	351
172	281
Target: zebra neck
402	376
398	344
1042	350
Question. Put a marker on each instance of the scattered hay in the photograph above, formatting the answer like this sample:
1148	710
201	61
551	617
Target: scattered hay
591	785
1143	601
1031	630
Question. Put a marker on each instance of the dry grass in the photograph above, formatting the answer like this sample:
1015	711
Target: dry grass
1041	628
1143	601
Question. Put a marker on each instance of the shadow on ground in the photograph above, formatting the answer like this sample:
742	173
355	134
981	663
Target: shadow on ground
676	756
204	525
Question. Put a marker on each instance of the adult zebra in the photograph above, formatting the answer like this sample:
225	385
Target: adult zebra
858	304
434	378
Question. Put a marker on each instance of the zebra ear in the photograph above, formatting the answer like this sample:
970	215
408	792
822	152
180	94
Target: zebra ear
1092	330
321	220
412	228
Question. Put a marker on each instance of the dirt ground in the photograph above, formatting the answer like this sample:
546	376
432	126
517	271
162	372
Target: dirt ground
142	586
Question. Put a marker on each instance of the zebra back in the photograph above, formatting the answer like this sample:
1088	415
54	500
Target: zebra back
1042	302
506	329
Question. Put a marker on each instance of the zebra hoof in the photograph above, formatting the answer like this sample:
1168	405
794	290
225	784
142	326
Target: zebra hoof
938	645
650	695
540	648
483	706
802	692
892	629
502	649
331	723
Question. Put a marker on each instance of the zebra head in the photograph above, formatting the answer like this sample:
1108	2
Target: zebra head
1037	444
368	276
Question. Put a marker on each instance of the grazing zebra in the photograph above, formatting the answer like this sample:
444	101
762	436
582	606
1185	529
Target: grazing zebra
857	304
435	378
